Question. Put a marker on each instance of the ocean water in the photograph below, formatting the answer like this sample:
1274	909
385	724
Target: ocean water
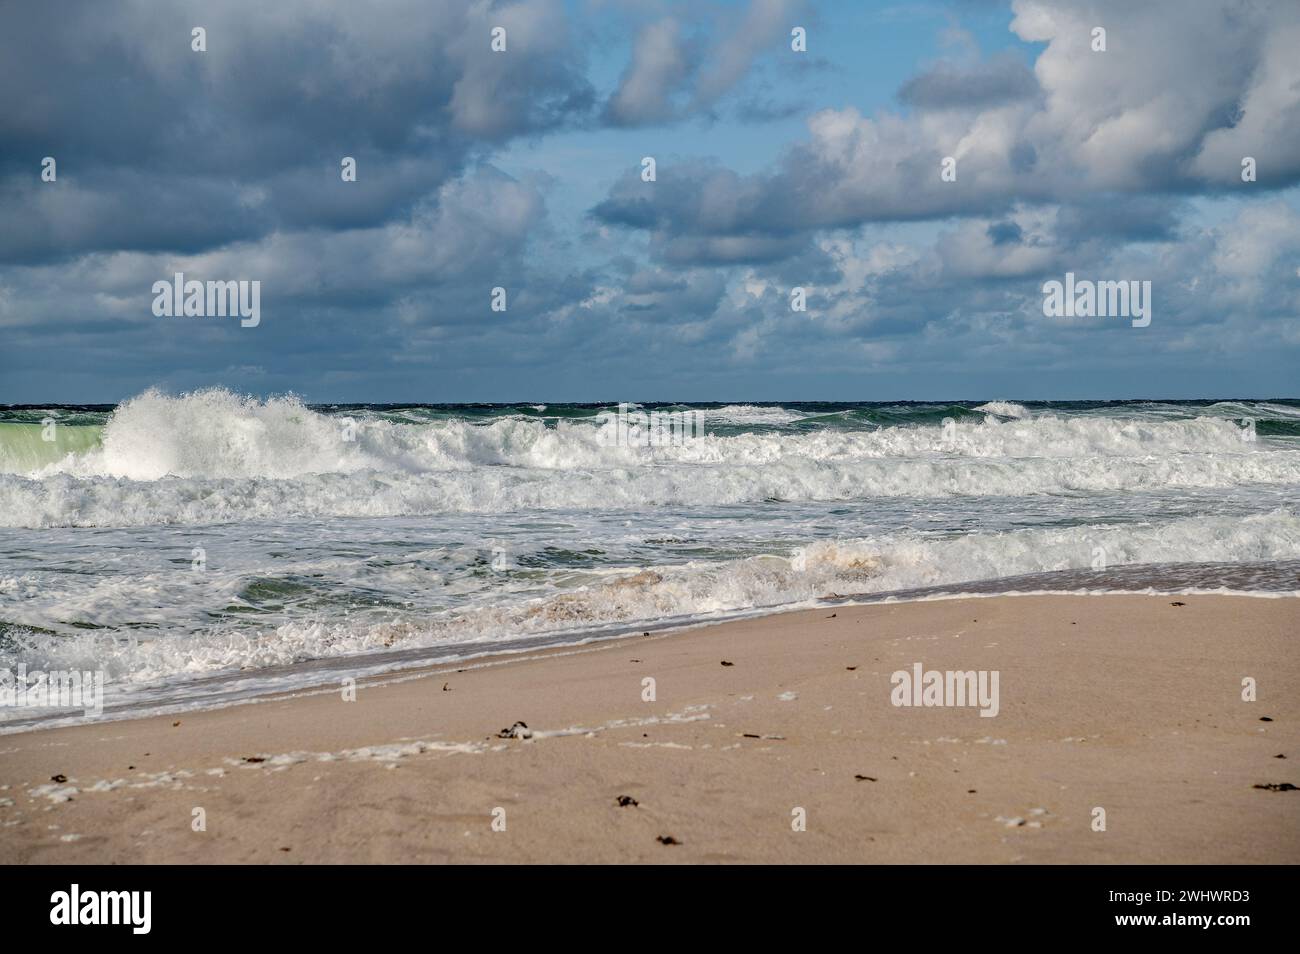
206	547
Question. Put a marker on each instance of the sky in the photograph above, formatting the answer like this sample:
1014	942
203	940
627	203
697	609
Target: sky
776	169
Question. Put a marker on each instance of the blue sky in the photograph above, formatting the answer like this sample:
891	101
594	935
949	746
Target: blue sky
776	170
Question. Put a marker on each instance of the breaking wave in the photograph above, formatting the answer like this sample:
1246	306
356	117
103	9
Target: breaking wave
213	456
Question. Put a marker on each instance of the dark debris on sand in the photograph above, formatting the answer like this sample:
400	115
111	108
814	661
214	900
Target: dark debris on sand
519	730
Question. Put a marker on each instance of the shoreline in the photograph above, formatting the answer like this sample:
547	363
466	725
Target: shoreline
1121	701
381	665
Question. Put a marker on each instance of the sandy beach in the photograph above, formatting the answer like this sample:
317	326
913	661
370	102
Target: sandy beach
1131	704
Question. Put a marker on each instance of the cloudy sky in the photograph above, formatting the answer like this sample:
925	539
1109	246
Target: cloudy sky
775	169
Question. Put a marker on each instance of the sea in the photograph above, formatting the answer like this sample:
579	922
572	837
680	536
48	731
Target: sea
205	548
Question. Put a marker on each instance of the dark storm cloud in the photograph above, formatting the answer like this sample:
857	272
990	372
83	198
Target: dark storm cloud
696	197
674	297
121	209
165	147
1004	79
700	208
1124	218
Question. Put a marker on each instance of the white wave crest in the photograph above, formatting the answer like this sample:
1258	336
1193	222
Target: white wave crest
1005	409
214	456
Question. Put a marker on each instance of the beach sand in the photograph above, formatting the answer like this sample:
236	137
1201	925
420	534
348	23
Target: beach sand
1132	704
